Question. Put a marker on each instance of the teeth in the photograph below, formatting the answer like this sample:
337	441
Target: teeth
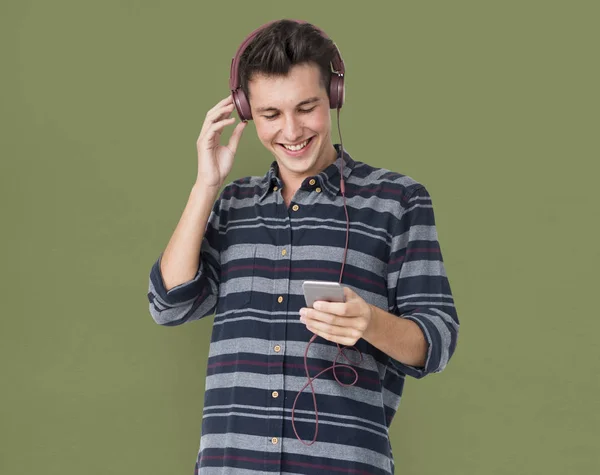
295	148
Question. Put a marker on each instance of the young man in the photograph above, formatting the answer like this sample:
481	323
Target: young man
244	253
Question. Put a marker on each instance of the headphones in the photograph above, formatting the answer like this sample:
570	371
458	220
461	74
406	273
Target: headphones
336	88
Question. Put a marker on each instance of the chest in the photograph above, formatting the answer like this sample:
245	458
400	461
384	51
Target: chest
271	248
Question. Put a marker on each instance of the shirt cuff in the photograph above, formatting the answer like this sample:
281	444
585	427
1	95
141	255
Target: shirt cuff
432	358
179	294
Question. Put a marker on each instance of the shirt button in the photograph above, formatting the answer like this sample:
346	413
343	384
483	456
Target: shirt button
295	207
280	299
283	252
274	440
277	348
275	394
312	182
275	188
318	190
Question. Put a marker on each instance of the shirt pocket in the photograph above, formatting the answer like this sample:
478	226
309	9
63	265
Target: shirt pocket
237	280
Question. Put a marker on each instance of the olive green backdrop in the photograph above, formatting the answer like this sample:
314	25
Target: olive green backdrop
492	105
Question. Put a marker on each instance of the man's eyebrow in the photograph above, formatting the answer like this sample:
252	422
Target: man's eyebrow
302	103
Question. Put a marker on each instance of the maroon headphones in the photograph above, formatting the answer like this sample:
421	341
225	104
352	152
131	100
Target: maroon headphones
336	89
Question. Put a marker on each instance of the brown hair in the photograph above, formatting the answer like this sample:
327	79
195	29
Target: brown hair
284	44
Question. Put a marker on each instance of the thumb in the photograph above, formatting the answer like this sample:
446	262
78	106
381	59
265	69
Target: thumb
236	136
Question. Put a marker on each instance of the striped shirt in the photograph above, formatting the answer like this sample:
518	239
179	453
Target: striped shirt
255	254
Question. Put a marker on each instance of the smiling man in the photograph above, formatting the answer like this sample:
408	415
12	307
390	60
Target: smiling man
243	253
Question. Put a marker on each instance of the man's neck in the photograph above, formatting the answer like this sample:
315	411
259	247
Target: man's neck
292	183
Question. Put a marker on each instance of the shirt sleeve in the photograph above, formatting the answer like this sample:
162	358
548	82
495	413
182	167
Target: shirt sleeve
196	298
419	287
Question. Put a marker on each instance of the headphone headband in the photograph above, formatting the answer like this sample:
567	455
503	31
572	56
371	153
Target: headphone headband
336	96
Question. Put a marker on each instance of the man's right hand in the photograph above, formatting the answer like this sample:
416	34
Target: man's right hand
215	160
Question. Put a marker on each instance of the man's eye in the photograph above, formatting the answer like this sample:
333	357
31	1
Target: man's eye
304	111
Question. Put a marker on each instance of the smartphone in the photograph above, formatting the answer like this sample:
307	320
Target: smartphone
322	290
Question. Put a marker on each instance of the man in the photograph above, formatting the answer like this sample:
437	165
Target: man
243	254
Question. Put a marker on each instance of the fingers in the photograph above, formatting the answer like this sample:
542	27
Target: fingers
328	319
236	136
214	129
226	102
221	103
342	335
219	114
222	110
337	308
218	126
215	121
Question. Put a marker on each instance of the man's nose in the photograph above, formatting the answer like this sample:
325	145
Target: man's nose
292	129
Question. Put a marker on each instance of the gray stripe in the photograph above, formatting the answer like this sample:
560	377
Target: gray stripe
410	296
265	284
427	303
420	233
375	178
419	268
292	383
380	205
239	251
390	399
296	253
157	300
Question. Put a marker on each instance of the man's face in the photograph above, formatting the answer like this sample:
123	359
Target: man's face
288	111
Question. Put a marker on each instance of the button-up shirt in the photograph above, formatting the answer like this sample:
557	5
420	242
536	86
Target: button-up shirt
255	254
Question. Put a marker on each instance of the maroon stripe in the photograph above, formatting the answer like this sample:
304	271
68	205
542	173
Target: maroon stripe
316	270
423	249
315	369
328	467
394	261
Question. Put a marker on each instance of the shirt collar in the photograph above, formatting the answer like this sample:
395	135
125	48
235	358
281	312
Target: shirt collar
329	178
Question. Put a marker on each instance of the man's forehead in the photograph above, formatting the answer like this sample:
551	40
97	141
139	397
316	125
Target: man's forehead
303	82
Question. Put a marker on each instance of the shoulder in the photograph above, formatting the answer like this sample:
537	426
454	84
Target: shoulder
242	188
368	180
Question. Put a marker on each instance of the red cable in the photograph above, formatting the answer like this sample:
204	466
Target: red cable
340	350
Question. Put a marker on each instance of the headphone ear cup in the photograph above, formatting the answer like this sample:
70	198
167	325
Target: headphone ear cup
242	105
336	91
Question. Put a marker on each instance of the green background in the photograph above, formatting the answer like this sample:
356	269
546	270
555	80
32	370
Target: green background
492	105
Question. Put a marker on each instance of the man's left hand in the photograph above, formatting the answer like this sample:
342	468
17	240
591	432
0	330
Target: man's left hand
340	322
